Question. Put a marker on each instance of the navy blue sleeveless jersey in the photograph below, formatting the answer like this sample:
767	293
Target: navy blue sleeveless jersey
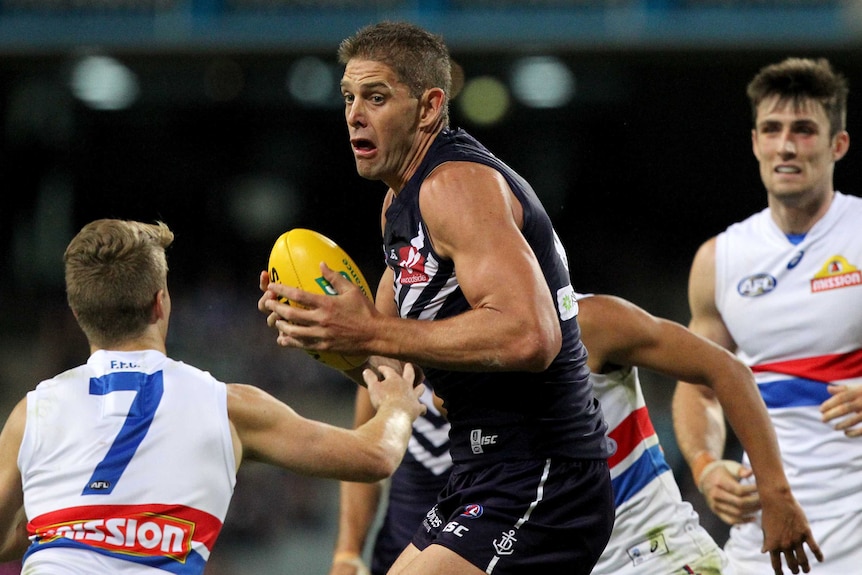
496	415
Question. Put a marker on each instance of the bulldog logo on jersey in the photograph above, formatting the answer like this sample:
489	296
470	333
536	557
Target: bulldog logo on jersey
836	273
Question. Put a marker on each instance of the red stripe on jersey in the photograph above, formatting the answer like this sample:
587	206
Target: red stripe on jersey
631	431
151	529
825	368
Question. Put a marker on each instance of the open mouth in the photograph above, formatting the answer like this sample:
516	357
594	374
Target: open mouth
363	146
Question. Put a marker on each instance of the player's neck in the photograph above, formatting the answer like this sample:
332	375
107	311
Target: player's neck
798	215
147	341
423	144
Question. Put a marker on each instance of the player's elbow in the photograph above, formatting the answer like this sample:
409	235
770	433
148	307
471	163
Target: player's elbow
535	350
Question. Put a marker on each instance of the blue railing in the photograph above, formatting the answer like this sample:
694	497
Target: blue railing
52	25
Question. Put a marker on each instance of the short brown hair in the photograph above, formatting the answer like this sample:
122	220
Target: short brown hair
798	80
419	58
114	269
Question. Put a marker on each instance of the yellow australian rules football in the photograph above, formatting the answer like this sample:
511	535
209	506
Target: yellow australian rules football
295	261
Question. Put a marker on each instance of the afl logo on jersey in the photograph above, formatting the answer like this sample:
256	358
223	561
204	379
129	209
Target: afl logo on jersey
756	285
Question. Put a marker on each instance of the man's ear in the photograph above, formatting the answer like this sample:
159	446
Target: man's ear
754	148
432	102
159	308
840	145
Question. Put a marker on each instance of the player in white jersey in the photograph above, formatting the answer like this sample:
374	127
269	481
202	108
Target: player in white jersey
783	289
655	532
127	464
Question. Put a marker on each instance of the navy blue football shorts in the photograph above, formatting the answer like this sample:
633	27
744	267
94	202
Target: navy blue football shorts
549	516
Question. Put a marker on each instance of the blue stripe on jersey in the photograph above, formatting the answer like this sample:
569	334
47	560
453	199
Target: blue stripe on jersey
194	564
796	392
648	466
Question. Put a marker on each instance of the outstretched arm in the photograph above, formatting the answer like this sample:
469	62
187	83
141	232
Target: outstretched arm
267	430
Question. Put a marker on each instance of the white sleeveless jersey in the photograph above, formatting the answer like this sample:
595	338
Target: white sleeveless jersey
655	532
795	313
128	456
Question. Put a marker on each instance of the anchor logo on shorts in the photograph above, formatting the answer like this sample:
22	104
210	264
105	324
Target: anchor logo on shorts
506	544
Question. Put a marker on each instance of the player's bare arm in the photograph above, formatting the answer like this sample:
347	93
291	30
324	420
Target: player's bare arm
472	218
358	509
13	533
699	426
697	414
272	432
619	333
627	335
384	302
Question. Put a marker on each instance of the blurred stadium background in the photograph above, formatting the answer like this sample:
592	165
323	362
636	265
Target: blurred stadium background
223	118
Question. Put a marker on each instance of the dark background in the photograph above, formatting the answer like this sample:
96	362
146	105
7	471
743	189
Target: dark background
650	158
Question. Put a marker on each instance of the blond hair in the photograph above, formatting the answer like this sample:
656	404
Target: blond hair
114	269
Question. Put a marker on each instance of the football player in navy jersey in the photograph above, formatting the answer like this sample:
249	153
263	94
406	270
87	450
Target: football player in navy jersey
477	293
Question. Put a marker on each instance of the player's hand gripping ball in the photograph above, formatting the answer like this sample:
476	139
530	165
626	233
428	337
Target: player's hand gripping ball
295	261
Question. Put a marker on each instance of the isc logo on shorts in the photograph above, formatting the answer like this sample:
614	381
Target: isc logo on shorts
479	441
456	529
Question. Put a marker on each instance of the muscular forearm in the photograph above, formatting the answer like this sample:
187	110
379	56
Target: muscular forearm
477	340
747	414
386	447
